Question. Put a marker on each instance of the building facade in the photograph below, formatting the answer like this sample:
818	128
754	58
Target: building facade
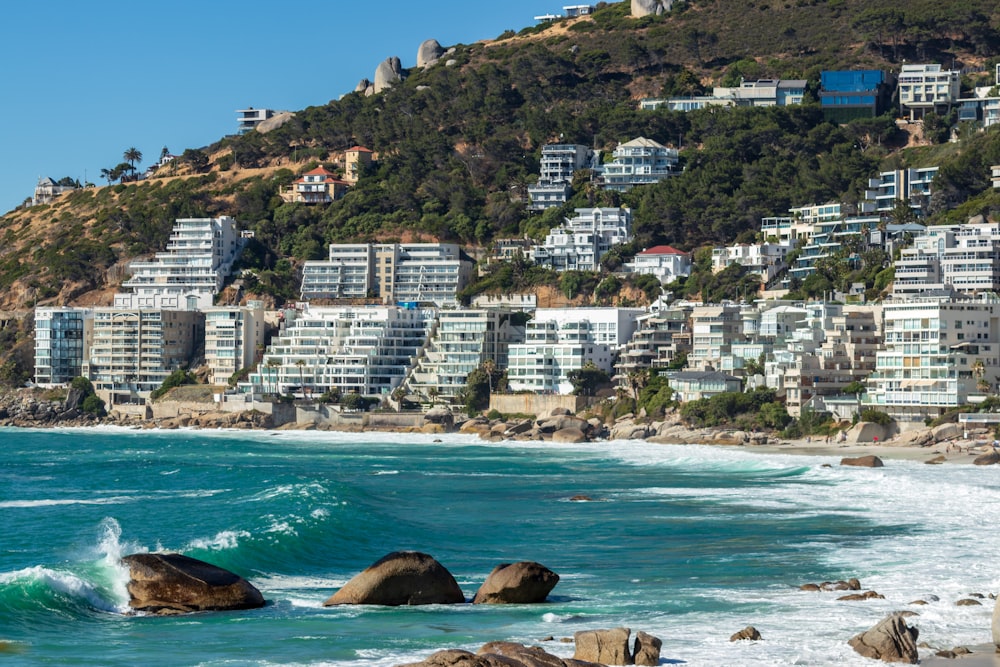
579	244
62	339
558	164
924	88
233	337
664	262
639	162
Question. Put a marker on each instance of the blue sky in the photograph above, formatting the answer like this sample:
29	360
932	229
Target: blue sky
84	81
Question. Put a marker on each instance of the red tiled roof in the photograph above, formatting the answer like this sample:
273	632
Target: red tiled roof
663	250
360	149
318	171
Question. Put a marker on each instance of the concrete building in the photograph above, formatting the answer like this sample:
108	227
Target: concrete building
249	118
356	160
390	272
134	350
191	271
664	262
233	337
659	340
927	87
561	340
912	186
714	329
639	162
580	243
765	92
695	385
950	258
462	341
366	350
62	339
764	259
939	353
558	164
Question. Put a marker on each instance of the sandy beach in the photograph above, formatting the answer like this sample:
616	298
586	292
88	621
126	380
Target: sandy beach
981	656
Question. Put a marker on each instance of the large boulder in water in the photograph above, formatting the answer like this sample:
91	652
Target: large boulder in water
519	583
400	578
869	461
165	583
891	640
608	647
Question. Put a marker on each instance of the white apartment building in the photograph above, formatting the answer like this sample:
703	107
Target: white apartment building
764	92
714	329
664	262
939	353
561	340
558	163
764	259
950	258
639	162
658	340
134	350
233	336
391	272
461	342
366	349
62	338
249	118
191	271
924	88
580	243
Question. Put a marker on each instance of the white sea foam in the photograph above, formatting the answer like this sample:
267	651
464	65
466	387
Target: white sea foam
226	539
56	502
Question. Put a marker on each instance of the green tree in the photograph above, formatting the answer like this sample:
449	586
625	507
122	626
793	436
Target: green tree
588	379
132	156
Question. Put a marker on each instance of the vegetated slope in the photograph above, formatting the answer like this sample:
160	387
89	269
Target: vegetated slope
458	144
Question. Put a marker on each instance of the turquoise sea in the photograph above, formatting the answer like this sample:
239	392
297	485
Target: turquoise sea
688	543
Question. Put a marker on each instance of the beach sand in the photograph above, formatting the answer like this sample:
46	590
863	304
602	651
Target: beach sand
981	656
961	451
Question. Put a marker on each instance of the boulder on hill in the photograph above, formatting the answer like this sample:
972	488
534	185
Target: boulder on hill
274	122
166	583
429	52
517	583
650	7
388	72
400	578
890	640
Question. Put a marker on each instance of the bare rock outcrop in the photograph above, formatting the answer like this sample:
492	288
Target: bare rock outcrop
869	461
647	649
609	647
388	72
274	122
166	583
890	640
651	7
400	578
517	583
498	654
988	459
748	633
429	53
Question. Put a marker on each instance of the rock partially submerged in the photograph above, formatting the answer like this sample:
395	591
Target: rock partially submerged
870	461
400	578
608	647
748	633
526	582
891	640
165	583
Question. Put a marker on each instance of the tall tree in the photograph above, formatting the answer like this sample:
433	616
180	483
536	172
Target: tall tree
132	156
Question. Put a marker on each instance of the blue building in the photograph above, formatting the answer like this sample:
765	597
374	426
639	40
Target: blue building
848	94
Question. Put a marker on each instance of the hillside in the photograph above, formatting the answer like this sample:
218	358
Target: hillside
458	143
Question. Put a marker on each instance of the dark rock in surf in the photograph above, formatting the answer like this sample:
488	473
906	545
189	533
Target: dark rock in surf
890	640
869	461
164	583
748	633
400	578
526	582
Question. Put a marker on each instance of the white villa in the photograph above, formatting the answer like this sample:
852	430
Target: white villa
580	243
190	272
665	262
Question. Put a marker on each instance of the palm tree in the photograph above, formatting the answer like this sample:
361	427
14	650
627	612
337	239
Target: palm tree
132	155
272	365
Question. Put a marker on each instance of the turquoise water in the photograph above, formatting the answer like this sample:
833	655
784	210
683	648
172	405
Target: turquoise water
688	543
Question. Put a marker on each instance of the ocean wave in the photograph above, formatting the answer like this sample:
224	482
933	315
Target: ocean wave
55	502
226	539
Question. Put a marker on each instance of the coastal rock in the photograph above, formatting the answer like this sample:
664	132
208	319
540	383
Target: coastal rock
400	578
559	412
570	435
164	583
511	654
362	86
968	602
865	432
869	461
890	640
937	460
388	72
944	432
518	428
642	8
867	595
995	624
429	52
987	459
439	415
560	422
609	647
647	649
748	633
526	582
